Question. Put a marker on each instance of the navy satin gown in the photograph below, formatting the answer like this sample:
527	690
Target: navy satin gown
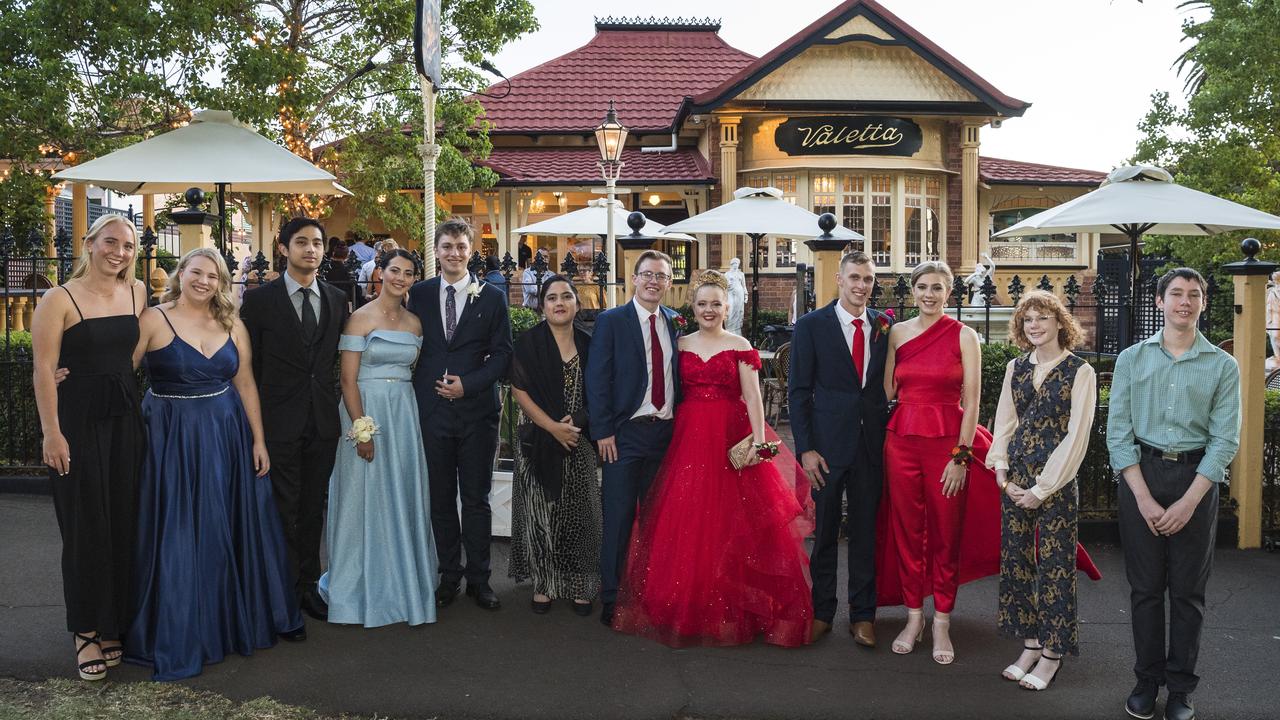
210	575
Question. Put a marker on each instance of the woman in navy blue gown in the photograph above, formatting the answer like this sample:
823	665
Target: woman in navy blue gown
210	575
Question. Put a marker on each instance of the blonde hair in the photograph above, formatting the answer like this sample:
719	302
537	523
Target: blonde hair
713	278
86	255
930	267
221	305
1070	335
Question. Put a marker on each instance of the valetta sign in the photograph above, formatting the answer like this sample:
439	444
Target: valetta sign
848	135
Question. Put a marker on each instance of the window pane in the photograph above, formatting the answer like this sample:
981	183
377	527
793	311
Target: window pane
785	253
881	219
932	228
914	229
853	203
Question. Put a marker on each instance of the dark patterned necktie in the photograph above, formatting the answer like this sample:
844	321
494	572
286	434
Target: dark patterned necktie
309	324
450	313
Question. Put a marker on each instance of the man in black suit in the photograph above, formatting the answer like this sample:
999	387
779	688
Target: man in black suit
838	417
294	322
466	345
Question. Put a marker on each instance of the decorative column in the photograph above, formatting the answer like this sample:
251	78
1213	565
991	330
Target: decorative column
79	216
728	156
826	260
195	226
1250	335
968	199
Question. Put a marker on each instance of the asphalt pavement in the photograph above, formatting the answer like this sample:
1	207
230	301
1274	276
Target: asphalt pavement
514	664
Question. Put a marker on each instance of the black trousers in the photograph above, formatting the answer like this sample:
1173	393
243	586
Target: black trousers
460	465
300	471
860	484
1178	564
641	446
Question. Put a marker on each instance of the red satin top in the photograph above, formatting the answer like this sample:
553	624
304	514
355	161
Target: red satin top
929	375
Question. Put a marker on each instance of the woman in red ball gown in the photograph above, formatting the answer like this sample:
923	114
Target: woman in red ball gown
718	557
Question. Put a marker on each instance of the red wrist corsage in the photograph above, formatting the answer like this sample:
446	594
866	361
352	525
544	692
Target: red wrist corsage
962	455
766	450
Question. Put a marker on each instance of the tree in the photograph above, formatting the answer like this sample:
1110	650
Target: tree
1225	140
332	80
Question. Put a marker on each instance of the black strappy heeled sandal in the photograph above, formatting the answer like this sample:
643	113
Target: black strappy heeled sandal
113	655
86	667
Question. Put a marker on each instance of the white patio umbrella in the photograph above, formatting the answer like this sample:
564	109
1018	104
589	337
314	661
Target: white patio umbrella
1138	199
592	221
214	152
756	212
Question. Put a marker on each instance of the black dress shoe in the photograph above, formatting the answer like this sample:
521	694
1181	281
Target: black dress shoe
448	592
484	595
295	635
583	609
314	605
540	607
1178	707
606	614
1142	701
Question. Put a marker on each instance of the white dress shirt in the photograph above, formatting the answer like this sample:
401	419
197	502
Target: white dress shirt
846	327
293	286
459	301
664	339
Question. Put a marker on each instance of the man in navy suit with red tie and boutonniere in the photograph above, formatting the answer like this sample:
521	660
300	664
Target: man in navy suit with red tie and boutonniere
631	397
466	345
838	416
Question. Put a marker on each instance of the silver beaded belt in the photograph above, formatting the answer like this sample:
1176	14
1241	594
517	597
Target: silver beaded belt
191	397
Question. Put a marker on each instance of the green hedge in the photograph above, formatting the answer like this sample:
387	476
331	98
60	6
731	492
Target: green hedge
995	356
19	419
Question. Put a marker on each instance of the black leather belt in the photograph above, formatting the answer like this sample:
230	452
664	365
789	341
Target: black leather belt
1185	456
648	419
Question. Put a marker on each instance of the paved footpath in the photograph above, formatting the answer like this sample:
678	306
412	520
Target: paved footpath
513	664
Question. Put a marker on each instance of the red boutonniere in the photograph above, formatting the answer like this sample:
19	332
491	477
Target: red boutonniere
680	322
886	321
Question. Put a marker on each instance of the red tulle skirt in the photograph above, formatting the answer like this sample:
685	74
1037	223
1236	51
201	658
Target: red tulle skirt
717	555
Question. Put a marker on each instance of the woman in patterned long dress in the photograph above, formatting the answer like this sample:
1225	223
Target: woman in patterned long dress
555	518
718	556
1041	434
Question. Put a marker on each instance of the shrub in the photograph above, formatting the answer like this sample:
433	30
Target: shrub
995	356
522	318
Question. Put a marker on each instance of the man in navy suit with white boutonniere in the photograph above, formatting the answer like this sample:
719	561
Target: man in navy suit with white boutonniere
631	397
466	345
838	417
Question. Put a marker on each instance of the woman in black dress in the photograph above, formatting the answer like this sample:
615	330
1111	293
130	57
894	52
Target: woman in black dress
555	517
93	434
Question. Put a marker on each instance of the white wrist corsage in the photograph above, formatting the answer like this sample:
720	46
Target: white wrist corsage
362	430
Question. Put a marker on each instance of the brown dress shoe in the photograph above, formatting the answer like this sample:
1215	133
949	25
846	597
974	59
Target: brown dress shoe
864	633
818	629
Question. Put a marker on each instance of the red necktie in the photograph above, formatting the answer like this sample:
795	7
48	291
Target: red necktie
659	395
859	342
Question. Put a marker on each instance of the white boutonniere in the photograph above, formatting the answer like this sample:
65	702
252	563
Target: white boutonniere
473	290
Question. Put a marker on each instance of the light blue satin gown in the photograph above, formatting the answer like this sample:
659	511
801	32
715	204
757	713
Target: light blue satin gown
382	556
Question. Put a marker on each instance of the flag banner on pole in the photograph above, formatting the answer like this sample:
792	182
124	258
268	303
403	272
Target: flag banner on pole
426	40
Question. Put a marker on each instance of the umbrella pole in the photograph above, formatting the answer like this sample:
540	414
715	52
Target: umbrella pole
222	215
755	285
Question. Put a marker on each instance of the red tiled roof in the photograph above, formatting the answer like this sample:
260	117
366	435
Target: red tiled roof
995	171
841	14
646	70
577	166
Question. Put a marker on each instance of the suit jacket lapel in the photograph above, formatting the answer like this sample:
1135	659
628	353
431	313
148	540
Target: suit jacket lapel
878	341
466	306
432	309
835	333
285	307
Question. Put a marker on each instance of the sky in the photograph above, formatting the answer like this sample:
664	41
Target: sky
1088	67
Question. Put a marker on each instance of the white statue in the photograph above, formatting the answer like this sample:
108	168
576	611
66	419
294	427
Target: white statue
737	296
977	278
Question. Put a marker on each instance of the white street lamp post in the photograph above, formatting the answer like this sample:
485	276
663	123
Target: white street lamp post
611	137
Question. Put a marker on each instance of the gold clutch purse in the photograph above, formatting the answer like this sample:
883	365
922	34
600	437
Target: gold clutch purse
740	453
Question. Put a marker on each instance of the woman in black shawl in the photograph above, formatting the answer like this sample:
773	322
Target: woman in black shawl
555	523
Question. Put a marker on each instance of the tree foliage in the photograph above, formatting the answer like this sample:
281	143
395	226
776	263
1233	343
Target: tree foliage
1224	137
332	80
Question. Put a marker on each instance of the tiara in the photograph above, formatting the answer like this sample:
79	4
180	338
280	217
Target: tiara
712	277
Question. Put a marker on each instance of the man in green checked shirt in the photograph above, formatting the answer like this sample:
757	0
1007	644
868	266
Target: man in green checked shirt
1173	427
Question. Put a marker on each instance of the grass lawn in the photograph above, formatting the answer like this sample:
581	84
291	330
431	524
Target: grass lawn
61	698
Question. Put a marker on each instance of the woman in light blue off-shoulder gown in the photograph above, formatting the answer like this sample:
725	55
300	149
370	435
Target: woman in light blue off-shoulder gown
382	557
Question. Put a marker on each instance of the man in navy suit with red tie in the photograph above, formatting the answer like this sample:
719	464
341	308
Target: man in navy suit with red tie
631	397
838	416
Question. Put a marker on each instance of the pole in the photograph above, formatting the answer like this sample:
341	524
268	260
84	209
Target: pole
430	152
755	287
611	182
